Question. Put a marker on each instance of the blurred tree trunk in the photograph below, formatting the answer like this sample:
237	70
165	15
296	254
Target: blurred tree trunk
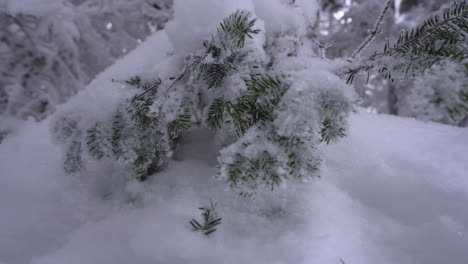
392	99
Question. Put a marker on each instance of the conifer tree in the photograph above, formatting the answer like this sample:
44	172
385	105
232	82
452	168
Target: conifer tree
440	94
49	51
230	87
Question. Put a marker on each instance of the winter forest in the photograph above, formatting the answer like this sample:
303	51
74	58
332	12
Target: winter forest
233	131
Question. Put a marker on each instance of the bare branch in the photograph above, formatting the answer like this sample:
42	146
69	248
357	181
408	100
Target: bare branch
374	32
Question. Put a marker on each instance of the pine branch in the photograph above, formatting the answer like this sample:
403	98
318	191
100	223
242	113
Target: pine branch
262	84
441	36
263	93
222	59
248	172
180	124
331	131
450	26
216	113
96	141
215	75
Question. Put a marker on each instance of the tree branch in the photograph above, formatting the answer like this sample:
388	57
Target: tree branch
323	48
374	32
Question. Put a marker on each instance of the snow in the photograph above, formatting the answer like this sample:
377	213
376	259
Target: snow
189	29
35	214
35	7
279	18
102	96
412	178
393	191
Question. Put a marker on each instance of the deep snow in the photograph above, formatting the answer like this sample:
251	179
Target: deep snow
393	191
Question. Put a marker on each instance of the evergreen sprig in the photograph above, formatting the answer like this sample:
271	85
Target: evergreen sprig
95	141
255	105
224	51
269	169
238	26
216	113
331	130
210	221
246	172
69	133
222	58
180	124
134	135
215	73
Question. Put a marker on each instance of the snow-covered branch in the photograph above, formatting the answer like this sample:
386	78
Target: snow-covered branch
374	32
323	48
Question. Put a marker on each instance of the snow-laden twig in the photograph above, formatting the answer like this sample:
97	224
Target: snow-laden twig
374	32
323	48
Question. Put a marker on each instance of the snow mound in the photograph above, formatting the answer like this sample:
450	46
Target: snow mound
412	177
35	7
393	191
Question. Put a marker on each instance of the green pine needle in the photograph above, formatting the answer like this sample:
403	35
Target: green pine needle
180	124
238	26
216	113
441	36
210	221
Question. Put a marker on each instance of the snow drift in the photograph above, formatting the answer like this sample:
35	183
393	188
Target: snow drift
397	198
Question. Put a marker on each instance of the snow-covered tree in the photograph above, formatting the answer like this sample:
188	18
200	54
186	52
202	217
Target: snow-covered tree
440	95
118	26
271	100
52	49
40	58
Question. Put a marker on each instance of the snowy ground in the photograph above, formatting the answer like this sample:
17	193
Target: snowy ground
393	191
